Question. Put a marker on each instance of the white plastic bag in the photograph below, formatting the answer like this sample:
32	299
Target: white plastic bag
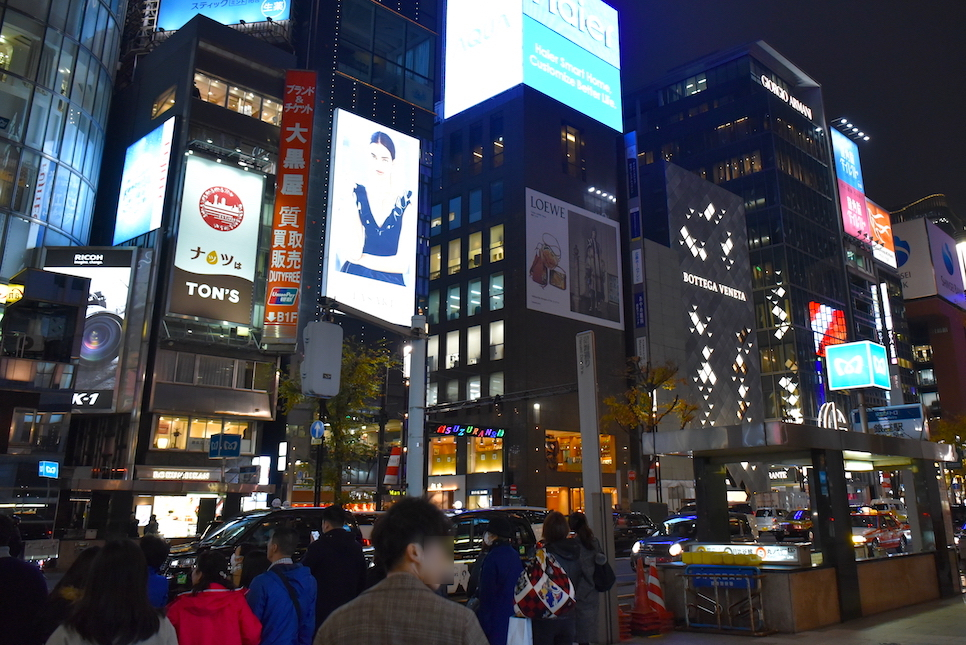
520	632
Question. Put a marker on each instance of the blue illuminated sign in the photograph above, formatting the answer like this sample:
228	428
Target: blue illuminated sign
143	184
857	365
173	14
567	49
224	445
847	165
49	469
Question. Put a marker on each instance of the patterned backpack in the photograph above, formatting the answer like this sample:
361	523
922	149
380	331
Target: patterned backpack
543	590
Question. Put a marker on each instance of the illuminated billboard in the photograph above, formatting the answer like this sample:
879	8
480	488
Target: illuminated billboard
848	169
575	263
173	14
214	262
143	183
102	342
928	262
857	365
370	240
880	227
567	49
828	326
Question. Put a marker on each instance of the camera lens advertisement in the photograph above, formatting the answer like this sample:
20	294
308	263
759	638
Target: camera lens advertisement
102	342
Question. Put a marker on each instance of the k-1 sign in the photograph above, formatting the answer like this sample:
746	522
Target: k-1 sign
857	365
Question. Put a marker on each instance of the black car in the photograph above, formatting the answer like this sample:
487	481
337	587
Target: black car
668	541
468	530
254	527
629	528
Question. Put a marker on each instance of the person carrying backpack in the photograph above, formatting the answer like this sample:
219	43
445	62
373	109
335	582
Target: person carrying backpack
546	592
588	594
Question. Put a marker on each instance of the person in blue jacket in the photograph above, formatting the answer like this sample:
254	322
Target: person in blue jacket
498	577
283	598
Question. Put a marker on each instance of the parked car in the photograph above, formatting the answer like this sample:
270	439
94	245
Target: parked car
468	530
667	543
770	519
366	521
894	506
255	527
535	514
877	532
629	528
796	525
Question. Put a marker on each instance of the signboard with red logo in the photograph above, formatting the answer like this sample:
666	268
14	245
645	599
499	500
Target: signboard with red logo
288	224
214	263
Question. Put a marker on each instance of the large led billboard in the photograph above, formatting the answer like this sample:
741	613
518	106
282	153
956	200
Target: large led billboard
370	239
143	183
828	326
857	365
848	170
102	341
214	262
575	264
928	262
880	227
173	14
567	49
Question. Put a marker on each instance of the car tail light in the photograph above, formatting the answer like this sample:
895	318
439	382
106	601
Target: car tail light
366	542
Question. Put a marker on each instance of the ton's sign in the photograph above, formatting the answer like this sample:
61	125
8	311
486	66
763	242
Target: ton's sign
567	49
857	365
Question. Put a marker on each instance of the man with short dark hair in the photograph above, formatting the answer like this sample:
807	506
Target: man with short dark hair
23	592
156	551
337	563
283	597
413	541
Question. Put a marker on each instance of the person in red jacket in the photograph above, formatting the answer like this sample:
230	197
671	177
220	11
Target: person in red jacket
213	613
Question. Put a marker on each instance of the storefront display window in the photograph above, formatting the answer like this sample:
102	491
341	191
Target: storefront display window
569	500
565	452
442	456
485	455
171	433
192	433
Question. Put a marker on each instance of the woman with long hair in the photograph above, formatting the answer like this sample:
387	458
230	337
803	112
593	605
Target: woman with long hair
67	591
588	598
213	612
566	550
114	609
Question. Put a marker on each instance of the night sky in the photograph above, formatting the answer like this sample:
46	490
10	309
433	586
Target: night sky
895	68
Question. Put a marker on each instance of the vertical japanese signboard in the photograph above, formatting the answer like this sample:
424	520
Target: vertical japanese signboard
288	224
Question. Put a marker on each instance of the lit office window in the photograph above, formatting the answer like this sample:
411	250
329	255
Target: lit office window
432	315
496	291
436	221
473	388
474	298
475	250
435	262
496	384
453	302
432	353
452	349
496	243
474	343
453	260
432	393
452	390
496	340
572	149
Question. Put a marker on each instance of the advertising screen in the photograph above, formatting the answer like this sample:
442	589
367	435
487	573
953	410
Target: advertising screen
567	49
214	262
828	326
928	262
102	342
857	365
945	262
848	169
173	14
575	266
370	241
880	226
143	182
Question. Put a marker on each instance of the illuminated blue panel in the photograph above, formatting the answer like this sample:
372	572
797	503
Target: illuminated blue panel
173	14
847	165
857	365
144	181
560	69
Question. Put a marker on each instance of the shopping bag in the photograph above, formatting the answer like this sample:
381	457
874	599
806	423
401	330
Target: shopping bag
543	590
520	632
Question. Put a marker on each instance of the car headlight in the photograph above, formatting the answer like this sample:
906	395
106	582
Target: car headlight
636	548
956	540
858	539
675	550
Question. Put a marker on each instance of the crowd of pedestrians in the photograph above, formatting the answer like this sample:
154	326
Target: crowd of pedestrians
115	594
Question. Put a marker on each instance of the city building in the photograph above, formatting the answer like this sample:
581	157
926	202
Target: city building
936	209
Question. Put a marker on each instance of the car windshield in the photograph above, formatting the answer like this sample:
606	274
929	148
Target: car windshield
865	521
230	530
680	527
763	512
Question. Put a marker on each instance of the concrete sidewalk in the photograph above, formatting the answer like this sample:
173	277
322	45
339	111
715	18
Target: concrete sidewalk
941	622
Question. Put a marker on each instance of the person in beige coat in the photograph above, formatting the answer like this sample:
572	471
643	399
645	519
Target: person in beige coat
413	541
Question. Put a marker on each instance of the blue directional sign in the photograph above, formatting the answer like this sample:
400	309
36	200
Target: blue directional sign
857	365
224	445
49	469
318	429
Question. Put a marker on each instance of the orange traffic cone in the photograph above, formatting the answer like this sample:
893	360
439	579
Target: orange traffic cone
655	595
641	605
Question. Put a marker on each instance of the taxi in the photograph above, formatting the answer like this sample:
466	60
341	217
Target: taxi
876	531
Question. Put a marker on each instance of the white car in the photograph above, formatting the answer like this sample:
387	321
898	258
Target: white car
770	519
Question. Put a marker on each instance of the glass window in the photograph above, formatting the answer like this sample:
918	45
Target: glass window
571	144
475	250
244	102
474	297
496	243
21	42
432	393
21	237
432	353
453	259
565	452
164	102
211	89
927	376
271	111
453	390
55	124
476	205
432	315
38	119
496	291
453	302
436	221
171	433
455	155
215	371
355	61
435	262
245	375
484	455
474	341
9	158
356	24
442	456
473	386
496	384
496	136
185	370
455	212
14	102
26	182
476	152
47	74
452	349
496	198
496	340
